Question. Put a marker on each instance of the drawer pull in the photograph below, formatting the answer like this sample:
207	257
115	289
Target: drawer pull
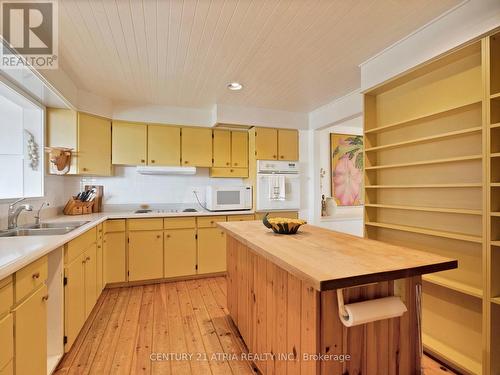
45	298
152	161
235	164
143	161
227	163
36	275
88	258
185	162
168	235
85	169
158	236
98	246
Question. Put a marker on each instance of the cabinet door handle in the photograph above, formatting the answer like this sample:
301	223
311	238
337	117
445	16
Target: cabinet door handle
45	297
228	163
36	275
274	156
231	170
142	160
84	169
84	261
282	157
98	246
88	258
168	235
158	236
152	161
185	162
235	164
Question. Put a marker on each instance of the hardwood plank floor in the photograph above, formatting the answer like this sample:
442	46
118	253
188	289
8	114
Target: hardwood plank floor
130	324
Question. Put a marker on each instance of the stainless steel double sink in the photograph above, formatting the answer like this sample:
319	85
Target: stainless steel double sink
43	229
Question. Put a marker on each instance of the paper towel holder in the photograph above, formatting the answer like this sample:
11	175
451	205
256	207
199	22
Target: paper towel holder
343	313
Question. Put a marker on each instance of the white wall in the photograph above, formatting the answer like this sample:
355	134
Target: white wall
345	219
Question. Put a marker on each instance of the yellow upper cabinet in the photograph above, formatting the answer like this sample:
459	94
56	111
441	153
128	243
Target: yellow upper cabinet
288	144
239	149
89	136
196	147
94	145
129	143
222	148
266	143
164	145
62	132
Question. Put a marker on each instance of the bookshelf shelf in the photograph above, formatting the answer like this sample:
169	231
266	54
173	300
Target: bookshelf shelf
425	231
456	133
427	209
426	162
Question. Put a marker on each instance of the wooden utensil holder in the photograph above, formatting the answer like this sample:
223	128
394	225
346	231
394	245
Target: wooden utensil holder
77	207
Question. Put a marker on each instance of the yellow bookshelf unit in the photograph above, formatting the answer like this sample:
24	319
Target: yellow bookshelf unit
432	182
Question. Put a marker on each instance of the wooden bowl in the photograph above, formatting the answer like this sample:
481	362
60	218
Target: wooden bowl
282	225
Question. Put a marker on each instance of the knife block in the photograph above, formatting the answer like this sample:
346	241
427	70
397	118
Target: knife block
77	207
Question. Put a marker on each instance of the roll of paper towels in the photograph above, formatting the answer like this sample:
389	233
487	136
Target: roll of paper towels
373	310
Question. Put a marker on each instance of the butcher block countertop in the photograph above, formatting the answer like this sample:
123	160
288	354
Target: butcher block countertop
331	260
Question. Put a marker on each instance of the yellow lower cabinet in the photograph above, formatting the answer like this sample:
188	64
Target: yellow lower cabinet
6	340
211	250
30	331
74	299
180	252
145	255
8	369
99	267
114	265
90	266
248	217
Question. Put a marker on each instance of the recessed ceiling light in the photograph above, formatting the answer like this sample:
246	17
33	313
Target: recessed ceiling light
235	86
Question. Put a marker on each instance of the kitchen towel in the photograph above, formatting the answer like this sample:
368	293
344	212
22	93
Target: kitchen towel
277	188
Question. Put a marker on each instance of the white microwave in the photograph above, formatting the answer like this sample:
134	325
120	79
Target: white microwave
229	198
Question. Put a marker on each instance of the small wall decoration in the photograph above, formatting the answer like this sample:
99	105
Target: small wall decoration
346	156
33	154
60	159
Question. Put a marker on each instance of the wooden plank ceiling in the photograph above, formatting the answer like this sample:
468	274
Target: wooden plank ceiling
292	55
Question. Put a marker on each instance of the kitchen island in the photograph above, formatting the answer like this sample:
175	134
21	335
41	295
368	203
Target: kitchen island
282	296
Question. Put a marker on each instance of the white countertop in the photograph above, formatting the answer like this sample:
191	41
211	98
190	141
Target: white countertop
17	252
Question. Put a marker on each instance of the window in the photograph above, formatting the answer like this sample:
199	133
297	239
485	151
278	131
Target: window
21	145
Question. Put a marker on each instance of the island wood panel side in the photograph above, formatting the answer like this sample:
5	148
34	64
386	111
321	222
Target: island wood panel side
277	313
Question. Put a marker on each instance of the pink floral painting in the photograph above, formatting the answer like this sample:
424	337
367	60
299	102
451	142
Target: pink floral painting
347	169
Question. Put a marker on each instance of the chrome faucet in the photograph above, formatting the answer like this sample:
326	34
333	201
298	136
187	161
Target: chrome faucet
14	212
37	216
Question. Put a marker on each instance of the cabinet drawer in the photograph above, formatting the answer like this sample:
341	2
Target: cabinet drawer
210	221
6	340
229	172
114	226
8	369
145	224
179	222
80	244
30	277
6	295
241	217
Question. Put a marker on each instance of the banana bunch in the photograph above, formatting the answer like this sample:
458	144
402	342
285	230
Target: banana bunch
283	225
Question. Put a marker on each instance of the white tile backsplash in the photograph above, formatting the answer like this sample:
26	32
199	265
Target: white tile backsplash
129	187
57	191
